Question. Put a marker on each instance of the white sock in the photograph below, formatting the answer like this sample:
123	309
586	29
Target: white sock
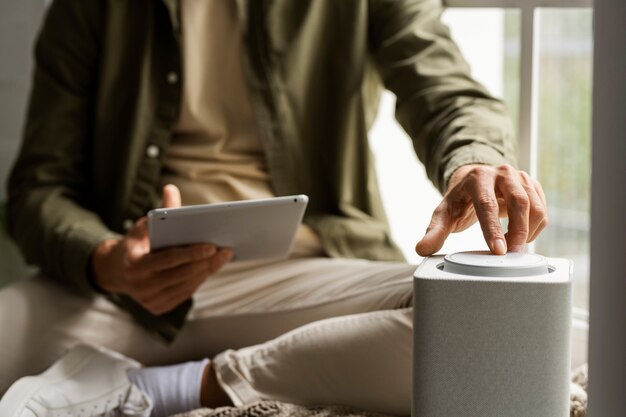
173	389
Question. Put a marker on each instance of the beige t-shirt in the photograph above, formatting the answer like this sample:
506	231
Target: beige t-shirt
216	153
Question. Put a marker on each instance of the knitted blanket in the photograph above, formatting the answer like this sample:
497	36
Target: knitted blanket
578	406
278	409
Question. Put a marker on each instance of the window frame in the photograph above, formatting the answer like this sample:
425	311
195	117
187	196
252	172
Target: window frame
529	69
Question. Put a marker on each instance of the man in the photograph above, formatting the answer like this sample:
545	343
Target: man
226	100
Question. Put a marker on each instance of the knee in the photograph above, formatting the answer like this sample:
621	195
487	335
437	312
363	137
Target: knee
31	311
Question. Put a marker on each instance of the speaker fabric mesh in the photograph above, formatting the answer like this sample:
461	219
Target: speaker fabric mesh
491	347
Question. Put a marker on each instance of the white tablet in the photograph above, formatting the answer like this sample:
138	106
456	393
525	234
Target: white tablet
254	229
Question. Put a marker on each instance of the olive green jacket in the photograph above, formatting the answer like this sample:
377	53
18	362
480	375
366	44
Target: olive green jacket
107	91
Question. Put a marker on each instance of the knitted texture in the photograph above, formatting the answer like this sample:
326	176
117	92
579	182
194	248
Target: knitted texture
578	406
578	393
278	409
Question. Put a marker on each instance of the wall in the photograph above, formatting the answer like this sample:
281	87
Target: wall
19	22
607	344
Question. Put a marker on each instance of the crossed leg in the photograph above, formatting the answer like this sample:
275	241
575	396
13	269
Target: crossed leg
308	331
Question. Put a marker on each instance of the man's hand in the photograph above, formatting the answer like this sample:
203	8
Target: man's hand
161	280
486	193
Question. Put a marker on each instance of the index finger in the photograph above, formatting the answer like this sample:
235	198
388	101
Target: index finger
482	191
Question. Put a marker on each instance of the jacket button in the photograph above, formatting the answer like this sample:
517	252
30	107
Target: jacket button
172	77
128	224
153	151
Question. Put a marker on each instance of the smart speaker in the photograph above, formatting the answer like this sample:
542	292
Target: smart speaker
491	336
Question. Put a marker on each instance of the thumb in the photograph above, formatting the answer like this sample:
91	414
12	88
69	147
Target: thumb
171	196
438	230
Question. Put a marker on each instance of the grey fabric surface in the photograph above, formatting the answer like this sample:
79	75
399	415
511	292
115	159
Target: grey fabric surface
578	406
491	346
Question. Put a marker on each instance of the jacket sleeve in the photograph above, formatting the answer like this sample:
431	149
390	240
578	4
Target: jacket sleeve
48	211
451	118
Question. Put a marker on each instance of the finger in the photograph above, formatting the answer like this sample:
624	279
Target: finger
518	208
171	196
224	256
169	258
169	299
481	187
539	190
161	281
139	229
136	241
173	295
437	232
147	289
538	210
204	267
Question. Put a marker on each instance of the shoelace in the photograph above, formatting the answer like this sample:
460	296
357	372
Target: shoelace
136	404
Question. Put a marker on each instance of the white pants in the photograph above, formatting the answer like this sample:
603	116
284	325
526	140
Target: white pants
306	331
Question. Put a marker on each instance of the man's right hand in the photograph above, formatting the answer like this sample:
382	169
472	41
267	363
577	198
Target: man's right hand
159	281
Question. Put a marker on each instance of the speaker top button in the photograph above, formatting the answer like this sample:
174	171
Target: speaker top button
483	263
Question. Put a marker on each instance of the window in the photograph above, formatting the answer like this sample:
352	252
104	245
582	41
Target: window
538	60
564	137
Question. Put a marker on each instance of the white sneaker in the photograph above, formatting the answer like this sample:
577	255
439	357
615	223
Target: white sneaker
86	382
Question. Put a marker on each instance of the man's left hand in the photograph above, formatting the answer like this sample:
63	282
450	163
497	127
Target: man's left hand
486	193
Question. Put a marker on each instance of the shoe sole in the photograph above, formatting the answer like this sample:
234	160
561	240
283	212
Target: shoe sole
16	399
